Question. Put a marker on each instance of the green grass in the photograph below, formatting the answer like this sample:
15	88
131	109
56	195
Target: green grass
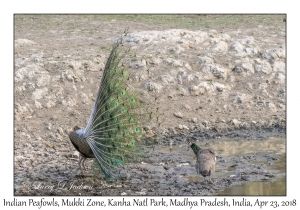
187	21
194	21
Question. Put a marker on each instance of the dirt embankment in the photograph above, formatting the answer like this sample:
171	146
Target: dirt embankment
215	83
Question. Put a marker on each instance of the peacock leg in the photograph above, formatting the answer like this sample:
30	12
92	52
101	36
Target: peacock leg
81	158
83	164
206	180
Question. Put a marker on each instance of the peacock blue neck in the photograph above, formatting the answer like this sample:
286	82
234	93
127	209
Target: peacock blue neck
195	148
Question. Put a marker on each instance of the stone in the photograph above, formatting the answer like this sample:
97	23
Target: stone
152	86
178	114
40	93
194	120
38	104
235	122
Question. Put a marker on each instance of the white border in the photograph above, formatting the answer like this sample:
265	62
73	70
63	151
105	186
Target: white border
8	8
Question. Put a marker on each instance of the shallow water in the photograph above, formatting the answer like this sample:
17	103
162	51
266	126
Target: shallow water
277	187
257	188
259	152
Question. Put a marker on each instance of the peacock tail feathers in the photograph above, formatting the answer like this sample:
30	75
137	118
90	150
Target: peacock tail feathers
114	129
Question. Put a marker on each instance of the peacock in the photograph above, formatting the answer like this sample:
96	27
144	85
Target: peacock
113	133
206	160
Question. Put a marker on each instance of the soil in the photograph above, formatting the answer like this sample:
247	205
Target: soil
222	87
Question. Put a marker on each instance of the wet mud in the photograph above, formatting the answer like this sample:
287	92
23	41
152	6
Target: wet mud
244	167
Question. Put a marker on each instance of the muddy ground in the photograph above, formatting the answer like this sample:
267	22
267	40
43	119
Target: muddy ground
219	80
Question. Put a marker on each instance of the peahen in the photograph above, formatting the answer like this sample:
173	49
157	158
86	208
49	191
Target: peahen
206	160
114	128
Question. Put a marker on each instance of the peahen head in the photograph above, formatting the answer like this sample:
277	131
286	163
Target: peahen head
194	147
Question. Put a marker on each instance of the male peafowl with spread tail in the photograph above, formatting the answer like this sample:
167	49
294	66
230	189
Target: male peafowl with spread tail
206	160
114	128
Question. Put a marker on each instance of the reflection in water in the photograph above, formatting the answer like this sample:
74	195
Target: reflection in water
257	188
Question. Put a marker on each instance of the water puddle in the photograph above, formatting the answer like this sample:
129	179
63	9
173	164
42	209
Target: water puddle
234	157
277	187
257	188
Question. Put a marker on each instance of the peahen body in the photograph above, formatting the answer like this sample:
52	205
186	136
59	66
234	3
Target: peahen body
114	127
206	160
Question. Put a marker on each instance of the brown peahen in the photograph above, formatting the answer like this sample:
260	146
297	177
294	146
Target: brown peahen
206	160
113	132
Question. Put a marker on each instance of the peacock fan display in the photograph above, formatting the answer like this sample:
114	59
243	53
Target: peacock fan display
113	132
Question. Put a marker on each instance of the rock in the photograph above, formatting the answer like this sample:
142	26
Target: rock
219	87
225	37
213	33
50	104
194	120
40	93
60	131
151	86
185	127
201	88
23	109
187	77
138	64
271	106
178	114
279	66
244	66
69	103
167	79
217	71
84	98
270	54
205	123
249	85
179	79
154	61
186	107
205	60
69	77
38	104
240	98
265	67
279	77
235	122
236	47
49	126
43	80
27	72
188	67
263	86
220	47
248	68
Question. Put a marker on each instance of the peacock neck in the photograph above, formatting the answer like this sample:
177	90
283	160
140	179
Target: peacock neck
195	148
